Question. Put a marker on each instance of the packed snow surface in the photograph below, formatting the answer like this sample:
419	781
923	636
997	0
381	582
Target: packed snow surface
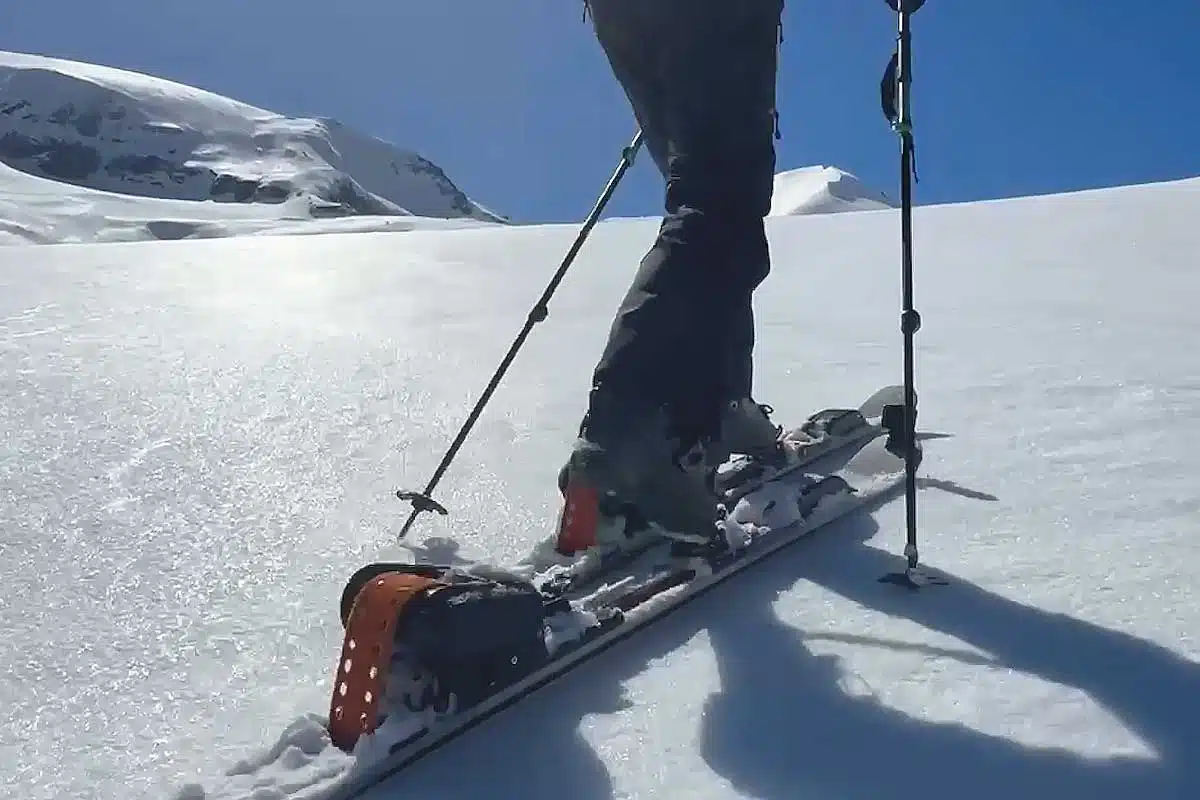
200	441
142	144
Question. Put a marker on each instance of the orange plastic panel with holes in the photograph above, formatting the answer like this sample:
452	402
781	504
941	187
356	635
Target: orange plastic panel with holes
362	672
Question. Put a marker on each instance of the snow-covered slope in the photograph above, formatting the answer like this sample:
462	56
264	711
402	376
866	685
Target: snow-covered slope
37	210
823	190
193	460
119	131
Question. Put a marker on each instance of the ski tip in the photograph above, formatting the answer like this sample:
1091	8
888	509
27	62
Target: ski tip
872	407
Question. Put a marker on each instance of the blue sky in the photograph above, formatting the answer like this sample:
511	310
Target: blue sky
515	101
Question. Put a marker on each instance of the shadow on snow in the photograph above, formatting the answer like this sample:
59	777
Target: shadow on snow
781	728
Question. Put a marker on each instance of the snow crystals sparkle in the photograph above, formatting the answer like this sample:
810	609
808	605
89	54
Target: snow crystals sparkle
200	442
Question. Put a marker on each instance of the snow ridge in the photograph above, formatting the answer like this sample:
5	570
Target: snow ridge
124	132
823	190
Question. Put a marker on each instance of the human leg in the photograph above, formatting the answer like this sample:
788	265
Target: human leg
700	75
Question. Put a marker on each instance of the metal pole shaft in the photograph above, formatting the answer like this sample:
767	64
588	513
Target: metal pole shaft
910	320
424	500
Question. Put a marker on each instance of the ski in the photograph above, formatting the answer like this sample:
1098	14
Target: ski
393	707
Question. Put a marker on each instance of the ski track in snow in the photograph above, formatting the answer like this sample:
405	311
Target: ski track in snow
199	442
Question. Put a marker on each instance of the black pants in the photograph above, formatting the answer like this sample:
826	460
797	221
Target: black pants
700	76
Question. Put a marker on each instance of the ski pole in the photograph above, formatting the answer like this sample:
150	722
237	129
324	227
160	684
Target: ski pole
423	501
894	94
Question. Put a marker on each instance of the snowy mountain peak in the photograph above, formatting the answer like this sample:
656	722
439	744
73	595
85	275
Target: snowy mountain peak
823	190
124	132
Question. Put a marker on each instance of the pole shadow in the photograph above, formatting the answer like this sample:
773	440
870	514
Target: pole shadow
783	728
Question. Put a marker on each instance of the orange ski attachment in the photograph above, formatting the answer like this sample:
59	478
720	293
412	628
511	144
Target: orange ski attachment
579	520
362	672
